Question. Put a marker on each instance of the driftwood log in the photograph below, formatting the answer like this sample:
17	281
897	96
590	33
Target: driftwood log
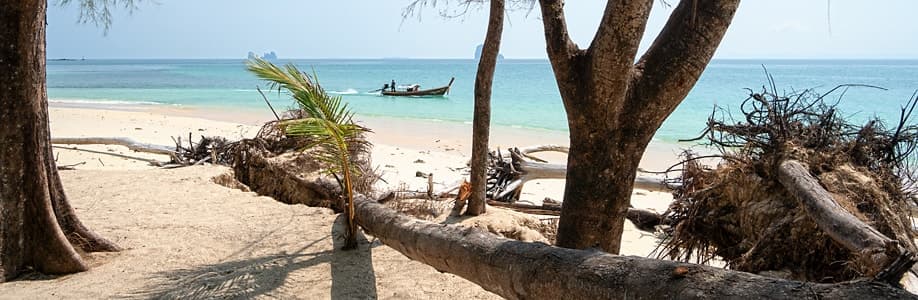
509	172
207	149
642	219
887	261
520	270
121	141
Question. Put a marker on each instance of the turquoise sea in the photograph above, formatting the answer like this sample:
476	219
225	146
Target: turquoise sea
525	94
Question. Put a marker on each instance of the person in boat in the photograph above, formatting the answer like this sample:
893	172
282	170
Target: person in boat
385	87
392	86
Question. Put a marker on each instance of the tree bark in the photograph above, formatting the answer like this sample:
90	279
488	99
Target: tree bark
482	118
519	270
874	249
35	219
614	107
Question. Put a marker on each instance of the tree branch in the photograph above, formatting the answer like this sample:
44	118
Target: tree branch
844	228
678	56
616	42
561	48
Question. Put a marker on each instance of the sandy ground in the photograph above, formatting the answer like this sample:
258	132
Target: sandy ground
187	237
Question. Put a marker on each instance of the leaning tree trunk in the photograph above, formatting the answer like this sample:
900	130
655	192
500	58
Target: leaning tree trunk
520	270
482	118
615	106
35	219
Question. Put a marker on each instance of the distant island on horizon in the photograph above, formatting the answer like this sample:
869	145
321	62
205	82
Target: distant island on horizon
267	56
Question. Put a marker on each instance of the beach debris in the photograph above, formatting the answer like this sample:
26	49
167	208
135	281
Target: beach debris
419	161
509	171
215	150
420	174
795	179
70	166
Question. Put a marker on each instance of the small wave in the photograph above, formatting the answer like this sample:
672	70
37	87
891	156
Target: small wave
245	90
345	92
104	102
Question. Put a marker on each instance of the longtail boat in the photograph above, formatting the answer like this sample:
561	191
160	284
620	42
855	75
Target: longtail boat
440	91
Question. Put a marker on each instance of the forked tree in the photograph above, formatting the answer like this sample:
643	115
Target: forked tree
614	105
39	229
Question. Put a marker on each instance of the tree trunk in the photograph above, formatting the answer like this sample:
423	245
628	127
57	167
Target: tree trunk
482	118
520	270
35	219
614	106
600	172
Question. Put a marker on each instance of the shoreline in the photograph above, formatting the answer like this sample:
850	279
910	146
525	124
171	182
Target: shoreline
407	132
402	148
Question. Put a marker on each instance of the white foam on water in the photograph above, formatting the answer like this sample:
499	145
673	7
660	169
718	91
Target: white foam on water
345	92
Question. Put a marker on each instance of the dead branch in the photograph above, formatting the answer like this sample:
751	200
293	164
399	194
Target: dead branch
874	247
506	177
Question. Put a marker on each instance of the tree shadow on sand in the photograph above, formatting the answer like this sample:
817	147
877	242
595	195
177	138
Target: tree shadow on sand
352	274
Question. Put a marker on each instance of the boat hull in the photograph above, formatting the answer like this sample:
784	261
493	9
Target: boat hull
440	91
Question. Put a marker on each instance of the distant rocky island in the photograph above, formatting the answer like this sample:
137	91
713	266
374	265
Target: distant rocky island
267	56
478	53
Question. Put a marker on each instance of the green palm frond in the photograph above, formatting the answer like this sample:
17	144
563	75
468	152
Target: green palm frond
329	123
304	88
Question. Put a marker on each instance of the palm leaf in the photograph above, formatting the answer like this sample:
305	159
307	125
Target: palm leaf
329	123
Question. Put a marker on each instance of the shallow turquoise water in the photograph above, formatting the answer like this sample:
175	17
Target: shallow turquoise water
525	94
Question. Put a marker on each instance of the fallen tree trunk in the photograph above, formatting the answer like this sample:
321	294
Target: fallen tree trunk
875	249
291	179
519	270
515	270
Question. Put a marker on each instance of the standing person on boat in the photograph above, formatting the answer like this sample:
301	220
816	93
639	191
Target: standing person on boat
392	85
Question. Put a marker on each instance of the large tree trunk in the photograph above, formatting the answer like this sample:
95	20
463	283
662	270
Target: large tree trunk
35	219
520	270
614	106
482	118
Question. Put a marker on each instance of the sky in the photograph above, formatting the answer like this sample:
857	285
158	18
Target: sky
797	29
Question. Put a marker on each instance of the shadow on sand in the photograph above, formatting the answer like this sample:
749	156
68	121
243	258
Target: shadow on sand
352	274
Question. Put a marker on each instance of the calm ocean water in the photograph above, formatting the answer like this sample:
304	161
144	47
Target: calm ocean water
525	94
